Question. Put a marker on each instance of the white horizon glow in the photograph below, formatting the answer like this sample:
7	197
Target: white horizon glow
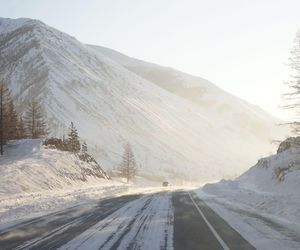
240	45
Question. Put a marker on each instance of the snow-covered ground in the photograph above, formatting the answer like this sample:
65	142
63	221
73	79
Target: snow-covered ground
28	167
146	223
263	204
35	180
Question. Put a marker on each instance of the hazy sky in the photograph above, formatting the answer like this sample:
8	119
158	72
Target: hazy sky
240	45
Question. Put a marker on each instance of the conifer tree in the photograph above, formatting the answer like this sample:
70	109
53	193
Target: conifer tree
34	120
84	148
128	166
84	152
73	139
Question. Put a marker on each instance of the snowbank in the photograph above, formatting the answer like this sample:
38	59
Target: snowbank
35	180
263	203
272	185
29	167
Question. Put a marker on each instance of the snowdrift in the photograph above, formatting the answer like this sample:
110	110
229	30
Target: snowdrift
28	167
271	186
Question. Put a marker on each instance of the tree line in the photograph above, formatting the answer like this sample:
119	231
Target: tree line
32	124
14	125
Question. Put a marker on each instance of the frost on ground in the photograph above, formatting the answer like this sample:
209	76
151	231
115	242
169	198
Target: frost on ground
146	223
263	204
35	180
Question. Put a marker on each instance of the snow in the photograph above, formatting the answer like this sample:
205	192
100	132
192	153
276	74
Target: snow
263	203
29	167
36	179
180	126
146	223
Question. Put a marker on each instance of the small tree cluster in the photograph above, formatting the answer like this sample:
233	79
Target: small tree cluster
11	124
71	144
128	167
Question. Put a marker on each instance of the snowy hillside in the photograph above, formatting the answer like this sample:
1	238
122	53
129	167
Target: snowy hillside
180	126
30	167
271	186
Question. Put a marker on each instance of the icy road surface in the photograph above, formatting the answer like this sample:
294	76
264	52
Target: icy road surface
161	220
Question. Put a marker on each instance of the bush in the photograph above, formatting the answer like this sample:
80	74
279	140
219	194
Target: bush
57	143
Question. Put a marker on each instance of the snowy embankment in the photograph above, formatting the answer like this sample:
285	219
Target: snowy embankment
265	199
36	180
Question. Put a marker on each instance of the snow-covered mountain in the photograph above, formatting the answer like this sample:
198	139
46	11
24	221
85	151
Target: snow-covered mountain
179	125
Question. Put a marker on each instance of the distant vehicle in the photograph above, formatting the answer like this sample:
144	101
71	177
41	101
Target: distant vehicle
165	184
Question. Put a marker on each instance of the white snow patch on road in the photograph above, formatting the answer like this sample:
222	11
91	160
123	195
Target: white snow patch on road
146	223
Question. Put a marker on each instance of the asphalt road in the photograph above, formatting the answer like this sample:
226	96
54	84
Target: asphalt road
197	226
160	220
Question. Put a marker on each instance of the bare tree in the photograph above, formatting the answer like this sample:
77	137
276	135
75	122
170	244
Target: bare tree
11	122
292	97
128	166
21	131
34	120
4	101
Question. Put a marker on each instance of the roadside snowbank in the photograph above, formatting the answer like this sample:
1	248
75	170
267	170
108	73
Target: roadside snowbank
35	180
264	202
29	167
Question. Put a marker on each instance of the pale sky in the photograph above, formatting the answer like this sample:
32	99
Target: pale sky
240	45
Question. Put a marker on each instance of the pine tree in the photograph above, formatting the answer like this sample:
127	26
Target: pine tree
4	101
73	139
128	166
84	148
84	156
34	120
292	98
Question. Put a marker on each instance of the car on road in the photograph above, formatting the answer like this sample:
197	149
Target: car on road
165	184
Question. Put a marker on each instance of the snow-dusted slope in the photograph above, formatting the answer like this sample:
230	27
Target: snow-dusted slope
271	186
215	104
179	125
30	167
263	203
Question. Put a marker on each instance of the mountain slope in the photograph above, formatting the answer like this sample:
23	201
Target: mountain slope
173	135
197	90
30	167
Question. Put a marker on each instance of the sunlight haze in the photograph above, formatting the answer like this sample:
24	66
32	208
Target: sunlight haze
241	46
